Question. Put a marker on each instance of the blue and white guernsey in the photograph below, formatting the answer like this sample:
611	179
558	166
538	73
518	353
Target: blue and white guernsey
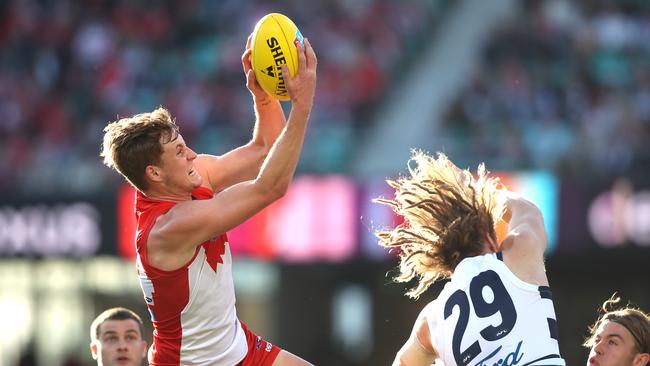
486	316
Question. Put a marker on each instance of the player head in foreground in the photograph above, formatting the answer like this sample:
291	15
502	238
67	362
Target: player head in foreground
116	338
620	337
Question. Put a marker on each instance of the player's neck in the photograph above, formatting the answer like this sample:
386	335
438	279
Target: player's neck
490	245
157	193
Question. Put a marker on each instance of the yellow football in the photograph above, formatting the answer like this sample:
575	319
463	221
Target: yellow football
272	45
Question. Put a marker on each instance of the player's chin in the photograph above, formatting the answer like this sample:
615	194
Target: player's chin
197	181
123	361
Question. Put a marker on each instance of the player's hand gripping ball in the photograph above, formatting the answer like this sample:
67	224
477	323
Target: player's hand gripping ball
274	44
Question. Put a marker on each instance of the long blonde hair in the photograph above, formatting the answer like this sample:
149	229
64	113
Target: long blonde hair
447	214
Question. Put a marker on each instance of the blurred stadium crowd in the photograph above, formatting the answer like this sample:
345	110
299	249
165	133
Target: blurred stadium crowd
566	87
65	70
569	84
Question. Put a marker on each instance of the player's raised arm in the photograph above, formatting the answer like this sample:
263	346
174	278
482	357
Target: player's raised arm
244	162
525	242
190	223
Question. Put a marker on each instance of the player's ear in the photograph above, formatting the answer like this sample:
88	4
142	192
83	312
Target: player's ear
641	359
153	173
93	349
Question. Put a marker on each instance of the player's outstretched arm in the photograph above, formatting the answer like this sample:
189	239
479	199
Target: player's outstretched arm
269	116
176	234
525	242
244	162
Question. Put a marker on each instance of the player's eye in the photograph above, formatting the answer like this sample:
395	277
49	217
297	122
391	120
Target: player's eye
612	342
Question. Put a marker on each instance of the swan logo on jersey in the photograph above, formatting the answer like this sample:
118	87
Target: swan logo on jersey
214	251
511	358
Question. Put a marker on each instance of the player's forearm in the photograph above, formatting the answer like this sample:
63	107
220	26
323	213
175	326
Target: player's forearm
280	165
269	122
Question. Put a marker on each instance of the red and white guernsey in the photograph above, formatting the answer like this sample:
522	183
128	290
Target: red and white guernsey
192	308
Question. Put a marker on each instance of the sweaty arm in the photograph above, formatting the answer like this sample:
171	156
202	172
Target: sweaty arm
418	350
189	223
524	244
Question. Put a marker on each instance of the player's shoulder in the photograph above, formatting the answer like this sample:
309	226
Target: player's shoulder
471	266
487	267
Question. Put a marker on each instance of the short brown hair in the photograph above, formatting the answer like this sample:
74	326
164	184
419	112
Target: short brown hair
634	320
118	313
447	214
131	144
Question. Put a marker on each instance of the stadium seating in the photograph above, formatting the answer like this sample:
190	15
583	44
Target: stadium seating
65	71
563	87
